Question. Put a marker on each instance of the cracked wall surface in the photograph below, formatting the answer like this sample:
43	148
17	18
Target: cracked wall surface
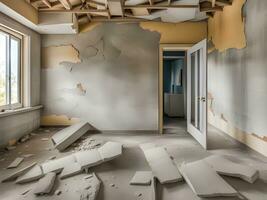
114	87
53	56
237	82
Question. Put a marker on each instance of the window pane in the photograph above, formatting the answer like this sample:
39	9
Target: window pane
14	71
3	66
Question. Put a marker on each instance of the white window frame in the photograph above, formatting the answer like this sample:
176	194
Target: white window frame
18	36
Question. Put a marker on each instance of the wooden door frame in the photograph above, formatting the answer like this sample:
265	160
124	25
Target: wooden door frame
166	47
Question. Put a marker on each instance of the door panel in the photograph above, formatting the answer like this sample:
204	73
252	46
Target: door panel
197	92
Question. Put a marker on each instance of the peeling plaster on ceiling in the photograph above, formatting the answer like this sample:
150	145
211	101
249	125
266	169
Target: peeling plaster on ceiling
227	28
58	120
53	56
178	32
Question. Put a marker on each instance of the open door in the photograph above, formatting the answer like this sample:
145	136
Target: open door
197	92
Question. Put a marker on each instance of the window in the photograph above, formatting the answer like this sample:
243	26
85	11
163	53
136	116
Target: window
10	69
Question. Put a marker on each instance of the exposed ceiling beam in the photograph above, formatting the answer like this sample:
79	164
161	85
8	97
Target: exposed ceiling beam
47	3
72	11
157	7
66	4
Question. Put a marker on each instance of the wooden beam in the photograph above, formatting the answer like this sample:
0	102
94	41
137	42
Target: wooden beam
72	11
158	7
66	4
223	2
118	19
206	6
47	3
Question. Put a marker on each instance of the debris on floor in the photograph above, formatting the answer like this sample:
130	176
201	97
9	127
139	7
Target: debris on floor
204	181
33	174
45	184
15	163
92	192
161	165
69	135
58	192
226	167
141	178
20	172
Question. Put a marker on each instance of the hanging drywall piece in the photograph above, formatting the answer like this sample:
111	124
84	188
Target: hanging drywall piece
204	181
141	178
226	167
67	136
162	166
53	56
226	29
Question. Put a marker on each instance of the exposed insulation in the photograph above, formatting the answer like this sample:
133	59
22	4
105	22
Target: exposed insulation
227	28
53	56
58	120
178	32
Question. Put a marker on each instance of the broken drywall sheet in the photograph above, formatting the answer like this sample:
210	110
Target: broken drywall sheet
57	165
58	120
91	191
18	173
45	184
70	170
183	33
67	136
15	163
33	174
204	181
141	178
88	159
162	166
110	150
226	29
226	167
53	56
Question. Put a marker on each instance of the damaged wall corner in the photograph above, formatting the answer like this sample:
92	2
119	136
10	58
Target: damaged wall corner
226	29
53	56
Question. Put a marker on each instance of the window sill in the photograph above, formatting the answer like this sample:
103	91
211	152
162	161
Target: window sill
19	111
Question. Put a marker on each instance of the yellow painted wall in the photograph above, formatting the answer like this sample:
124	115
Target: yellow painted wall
23	8
183	33
227	29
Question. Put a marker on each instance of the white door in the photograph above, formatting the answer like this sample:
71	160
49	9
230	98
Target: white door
197	92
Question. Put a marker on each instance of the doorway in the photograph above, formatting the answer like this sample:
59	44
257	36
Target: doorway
183	88
174	90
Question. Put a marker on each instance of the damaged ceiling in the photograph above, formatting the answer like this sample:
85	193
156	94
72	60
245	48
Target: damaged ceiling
81	13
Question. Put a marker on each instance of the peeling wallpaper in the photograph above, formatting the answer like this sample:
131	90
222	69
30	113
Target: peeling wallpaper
238	78
227	28
114	85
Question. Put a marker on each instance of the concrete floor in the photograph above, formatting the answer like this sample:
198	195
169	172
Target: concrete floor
179	144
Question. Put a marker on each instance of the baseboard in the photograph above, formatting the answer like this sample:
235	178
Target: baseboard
251	140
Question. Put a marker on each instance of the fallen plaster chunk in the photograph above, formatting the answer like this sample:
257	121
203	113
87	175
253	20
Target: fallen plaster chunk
162	166
88	159
9	148
226	167
45	184
57	165
141	178
92	192
20	172
88	176
44	139
146	146
70	170
57	192
27	155
204	181
110	150
33	174
67	136
15	163
26	191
